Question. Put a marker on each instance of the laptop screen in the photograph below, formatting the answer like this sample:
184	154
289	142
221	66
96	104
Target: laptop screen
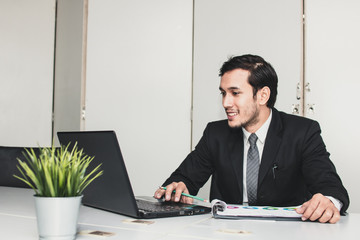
112	191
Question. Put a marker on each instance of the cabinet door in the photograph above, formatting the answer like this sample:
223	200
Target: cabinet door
332	72
223	28
139	62
70	64
26	72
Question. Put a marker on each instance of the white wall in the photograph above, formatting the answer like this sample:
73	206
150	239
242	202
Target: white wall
26	72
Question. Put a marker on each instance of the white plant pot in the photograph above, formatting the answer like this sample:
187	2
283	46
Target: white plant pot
57	217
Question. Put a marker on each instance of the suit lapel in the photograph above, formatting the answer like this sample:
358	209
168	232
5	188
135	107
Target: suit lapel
236	150
271	147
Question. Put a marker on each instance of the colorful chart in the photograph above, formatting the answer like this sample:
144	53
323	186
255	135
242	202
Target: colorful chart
232	207
270	208
249	207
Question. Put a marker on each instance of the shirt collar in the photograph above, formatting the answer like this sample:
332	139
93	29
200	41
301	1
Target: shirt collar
261	132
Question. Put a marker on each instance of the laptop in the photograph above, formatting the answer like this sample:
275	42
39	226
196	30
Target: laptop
112	191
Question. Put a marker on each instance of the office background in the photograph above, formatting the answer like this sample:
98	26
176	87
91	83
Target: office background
148	69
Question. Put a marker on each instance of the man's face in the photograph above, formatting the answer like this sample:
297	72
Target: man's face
239	103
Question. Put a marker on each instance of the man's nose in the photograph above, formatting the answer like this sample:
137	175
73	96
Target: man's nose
227	101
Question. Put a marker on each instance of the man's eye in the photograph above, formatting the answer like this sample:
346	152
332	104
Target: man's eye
223	93
236	93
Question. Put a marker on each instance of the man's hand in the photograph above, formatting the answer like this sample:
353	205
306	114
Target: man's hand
319	208
170	195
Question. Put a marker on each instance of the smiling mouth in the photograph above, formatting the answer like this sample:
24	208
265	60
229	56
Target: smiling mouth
232	114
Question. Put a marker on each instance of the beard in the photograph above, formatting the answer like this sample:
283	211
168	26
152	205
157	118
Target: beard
252	120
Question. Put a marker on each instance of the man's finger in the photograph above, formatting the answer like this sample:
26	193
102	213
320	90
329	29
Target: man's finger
309	210
178	193
159	193
169	191
336	217
326	216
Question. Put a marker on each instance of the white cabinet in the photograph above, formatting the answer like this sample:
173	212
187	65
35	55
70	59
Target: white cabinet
139	66
26	72
222	28
332	74
69	89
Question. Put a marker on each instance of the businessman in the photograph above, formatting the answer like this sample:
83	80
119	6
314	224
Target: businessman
259	155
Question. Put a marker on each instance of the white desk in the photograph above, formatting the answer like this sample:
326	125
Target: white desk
18	222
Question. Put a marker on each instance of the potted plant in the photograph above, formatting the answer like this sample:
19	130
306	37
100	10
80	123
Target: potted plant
59	177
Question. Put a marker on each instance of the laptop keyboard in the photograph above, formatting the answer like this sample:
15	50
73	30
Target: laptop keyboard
161	207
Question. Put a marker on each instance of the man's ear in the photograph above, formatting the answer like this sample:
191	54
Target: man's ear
263	95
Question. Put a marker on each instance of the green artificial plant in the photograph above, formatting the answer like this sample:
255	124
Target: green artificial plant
57	172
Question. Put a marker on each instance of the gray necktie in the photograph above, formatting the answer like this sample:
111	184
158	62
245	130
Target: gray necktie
252	169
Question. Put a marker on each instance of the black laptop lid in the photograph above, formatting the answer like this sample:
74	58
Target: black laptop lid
112	191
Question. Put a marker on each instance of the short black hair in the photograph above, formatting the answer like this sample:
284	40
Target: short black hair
262	74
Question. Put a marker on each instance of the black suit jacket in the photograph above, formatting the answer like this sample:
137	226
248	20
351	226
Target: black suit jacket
295	164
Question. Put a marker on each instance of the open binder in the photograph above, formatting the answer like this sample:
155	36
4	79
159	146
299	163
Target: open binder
232	211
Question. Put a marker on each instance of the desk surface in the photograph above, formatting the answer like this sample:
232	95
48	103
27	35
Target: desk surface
18	222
